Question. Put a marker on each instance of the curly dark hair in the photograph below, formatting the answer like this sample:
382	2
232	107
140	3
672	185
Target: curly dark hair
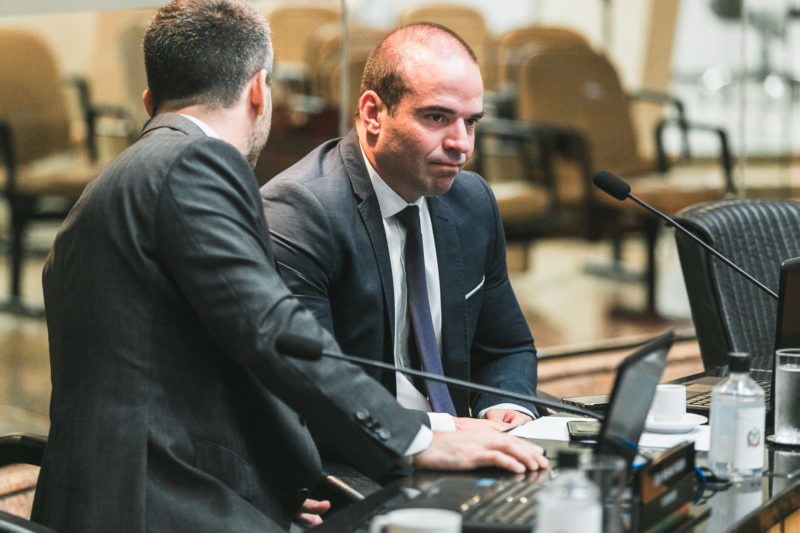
202	52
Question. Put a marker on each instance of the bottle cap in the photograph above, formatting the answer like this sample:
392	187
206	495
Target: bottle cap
739	362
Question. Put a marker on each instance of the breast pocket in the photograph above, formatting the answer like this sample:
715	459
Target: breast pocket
475	289
473	300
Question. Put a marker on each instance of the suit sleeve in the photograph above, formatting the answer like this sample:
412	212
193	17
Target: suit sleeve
214	244
303	245
502	352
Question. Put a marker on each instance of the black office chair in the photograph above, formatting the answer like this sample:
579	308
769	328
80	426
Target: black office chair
16	449
729	312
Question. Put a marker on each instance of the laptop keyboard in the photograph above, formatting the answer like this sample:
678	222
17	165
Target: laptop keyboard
511	504
484	504
703	399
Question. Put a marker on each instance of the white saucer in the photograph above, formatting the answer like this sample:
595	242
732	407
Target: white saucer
687	423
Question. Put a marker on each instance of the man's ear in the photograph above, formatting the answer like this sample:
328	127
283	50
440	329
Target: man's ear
258	91
147	98
370	107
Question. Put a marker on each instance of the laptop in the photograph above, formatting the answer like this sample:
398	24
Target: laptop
787	335
495	501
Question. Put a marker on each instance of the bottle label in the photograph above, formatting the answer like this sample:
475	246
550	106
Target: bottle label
749	438
566	519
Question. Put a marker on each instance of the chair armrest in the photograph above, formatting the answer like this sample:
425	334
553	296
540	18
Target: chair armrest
7	155
548	139
685	126
98	111
26	449
10	523
725	158
662	97
92	112
501	102
81	86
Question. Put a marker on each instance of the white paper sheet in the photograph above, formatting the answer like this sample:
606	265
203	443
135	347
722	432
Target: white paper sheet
555	428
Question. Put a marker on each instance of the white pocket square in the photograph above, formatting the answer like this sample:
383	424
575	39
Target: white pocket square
476	289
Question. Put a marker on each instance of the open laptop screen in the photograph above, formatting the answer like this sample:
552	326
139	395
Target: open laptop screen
787	330
634	389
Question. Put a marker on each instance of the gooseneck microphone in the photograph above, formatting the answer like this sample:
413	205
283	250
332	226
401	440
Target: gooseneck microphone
309	349
619	189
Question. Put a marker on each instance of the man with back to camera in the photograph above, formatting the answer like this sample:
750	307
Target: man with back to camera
338	221
171	409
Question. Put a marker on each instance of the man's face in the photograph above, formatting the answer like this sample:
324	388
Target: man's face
431	134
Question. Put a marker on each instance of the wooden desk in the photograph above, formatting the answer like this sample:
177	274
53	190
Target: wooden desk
17	485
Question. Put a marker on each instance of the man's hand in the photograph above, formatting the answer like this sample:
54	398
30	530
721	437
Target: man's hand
466	450
509	416
310	513
480	424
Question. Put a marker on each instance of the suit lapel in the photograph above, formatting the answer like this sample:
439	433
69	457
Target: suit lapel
455	345
370	212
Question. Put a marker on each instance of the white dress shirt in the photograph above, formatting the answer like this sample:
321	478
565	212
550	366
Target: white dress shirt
202	125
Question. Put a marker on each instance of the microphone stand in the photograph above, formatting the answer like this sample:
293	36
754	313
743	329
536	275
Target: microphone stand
464	384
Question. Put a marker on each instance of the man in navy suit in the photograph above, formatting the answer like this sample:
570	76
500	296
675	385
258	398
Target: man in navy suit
333	219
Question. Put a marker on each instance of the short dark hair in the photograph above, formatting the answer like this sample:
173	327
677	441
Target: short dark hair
202	52
383	72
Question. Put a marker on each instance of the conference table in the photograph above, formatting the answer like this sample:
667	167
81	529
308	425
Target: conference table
768	504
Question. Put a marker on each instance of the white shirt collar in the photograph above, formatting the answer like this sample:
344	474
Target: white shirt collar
389	201
202	125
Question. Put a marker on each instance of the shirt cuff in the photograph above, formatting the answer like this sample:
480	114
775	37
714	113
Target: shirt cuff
508	407
419	444
442	422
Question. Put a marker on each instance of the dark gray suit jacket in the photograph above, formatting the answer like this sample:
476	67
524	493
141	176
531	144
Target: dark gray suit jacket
331	249
171	409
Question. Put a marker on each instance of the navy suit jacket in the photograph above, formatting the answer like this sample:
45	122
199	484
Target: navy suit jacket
171	409
330	245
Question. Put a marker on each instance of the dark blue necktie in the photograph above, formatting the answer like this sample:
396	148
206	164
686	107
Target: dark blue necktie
420	311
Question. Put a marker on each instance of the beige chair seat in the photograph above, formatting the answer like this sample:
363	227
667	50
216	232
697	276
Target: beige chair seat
521	202
64	175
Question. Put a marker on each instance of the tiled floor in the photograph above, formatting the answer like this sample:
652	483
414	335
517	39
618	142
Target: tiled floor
566	308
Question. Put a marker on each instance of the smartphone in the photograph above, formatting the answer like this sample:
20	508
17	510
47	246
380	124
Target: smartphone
581	431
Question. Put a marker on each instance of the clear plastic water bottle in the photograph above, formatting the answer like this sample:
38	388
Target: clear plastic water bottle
737	423
570	501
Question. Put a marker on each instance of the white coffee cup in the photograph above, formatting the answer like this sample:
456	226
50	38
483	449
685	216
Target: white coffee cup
669	403
417	521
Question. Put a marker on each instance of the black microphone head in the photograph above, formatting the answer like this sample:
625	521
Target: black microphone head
610	184
298	346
